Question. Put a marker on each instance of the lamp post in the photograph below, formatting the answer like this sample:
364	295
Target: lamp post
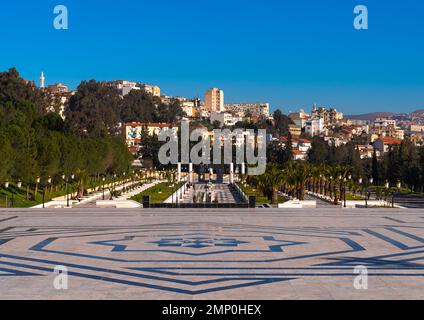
103	186
344	192
123	185
37	182
66	179
6	185
386	193
398	186
369	183
49	180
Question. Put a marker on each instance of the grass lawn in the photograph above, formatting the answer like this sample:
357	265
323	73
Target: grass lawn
351	197
19	195
158	193
19	198
260	198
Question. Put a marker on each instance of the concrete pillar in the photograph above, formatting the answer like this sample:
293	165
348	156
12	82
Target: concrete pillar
231	172
179	172
190	173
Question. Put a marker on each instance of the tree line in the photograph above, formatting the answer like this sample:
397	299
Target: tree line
97	109
329	169
35	143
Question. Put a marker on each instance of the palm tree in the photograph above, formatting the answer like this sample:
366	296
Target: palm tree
297	176
82	182
302	175
270	182
332	175
315	179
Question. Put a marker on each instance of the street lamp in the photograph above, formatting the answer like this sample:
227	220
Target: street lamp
398	186
103	186
371	180
123	184
344	192
37	182
64	177
6	185
49	180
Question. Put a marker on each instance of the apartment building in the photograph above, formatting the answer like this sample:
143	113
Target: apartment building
224	118
214	100
299	118
153	90
248	109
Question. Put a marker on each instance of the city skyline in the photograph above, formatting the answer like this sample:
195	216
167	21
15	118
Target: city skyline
293	56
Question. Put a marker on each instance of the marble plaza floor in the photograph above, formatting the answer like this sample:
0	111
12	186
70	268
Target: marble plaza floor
212	254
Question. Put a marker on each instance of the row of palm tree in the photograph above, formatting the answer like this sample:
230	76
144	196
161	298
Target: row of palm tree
298	177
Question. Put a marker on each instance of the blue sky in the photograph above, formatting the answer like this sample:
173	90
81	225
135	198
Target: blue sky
289	53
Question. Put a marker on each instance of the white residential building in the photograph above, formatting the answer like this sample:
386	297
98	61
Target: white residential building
123	86
299	118
314	127
226	119
254	109
381	122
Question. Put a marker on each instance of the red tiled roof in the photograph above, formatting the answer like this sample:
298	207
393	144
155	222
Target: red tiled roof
304	140
389	140
297	152
295	140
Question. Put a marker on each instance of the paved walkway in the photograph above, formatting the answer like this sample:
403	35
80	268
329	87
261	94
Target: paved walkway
212	254
320	203
222	193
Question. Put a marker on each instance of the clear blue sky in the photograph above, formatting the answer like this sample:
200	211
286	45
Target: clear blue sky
289	53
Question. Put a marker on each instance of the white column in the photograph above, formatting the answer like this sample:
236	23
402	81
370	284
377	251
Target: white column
243	168
231	172
190	173
179	172
210	174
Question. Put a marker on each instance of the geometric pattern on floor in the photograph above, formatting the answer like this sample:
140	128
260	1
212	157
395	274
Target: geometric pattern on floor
197	257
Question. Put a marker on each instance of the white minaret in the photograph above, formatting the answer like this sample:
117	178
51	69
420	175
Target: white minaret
42	80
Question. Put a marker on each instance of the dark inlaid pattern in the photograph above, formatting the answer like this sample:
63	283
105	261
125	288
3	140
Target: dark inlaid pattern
201	255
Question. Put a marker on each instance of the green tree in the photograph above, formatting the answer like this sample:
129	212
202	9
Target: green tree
6	157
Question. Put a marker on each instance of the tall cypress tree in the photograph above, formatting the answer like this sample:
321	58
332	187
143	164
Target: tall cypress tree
375	168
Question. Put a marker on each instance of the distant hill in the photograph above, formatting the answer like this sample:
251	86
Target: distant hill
420	112
371	116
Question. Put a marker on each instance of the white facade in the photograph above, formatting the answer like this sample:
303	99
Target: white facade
124	86
299	118
226	119
255	109
314	127
380	122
